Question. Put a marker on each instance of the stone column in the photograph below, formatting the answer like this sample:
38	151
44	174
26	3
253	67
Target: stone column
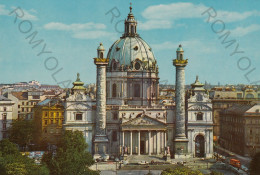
123	138
165	140
131	142
180	140
149	143
139	140
157	142
101	140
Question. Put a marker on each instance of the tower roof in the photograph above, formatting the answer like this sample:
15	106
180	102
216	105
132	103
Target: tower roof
197	85
78	84
179	49
101	47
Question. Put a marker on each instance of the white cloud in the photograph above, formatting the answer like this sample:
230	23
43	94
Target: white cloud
164	15
73	27
155	24
187	45
227	16
241	31
3	10
93	35
88	30
27	14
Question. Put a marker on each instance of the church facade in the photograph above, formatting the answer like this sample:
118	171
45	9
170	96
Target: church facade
127	117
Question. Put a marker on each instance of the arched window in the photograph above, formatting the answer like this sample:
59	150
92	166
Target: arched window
181	56
200	116
137	66
114	90
249	96
132	30
101	55
115	116
114	136
137	90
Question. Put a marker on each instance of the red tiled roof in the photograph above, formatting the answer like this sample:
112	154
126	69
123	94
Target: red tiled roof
20	95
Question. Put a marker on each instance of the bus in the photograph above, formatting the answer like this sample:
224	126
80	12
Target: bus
235	163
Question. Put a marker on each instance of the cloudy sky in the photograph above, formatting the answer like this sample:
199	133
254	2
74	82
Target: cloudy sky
51	40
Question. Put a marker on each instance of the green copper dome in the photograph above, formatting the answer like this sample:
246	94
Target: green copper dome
180	49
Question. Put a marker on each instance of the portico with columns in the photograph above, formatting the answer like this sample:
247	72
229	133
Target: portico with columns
143	135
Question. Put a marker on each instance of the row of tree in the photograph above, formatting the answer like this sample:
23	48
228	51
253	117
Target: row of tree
71	156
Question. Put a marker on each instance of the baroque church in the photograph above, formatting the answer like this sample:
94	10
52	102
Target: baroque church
127	118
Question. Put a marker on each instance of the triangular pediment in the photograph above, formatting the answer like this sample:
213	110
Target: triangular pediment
199	107
144	121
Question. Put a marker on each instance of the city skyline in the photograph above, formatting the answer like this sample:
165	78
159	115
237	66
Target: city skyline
73	32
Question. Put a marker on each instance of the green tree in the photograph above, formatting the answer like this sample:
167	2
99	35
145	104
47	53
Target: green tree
21	132
254	167
216	173
180	171
12	162
71	156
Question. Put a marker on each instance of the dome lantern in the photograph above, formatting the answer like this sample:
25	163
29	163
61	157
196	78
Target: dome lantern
179	52
130	24
100	51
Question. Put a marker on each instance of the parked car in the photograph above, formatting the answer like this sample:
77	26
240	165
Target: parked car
244	168
142	162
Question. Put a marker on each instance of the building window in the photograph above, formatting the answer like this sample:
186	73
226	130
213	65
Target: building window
4	117
114	136
249	96
57	114
27	103
46	122
18	106
101	55
22	103
57	121
22	109
200	116
4	108
137	90
78	116
46	114
257	111
51	121
51	114
239	95
137	66
115	116
114	90
36	97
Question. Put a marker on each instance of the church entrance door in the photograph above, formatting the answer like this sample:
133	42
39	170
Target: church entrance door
199	146
142	147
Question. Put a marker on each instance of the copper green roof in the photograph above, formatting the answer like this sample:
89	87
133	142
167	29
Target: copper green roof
197	83
78	84
180	49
